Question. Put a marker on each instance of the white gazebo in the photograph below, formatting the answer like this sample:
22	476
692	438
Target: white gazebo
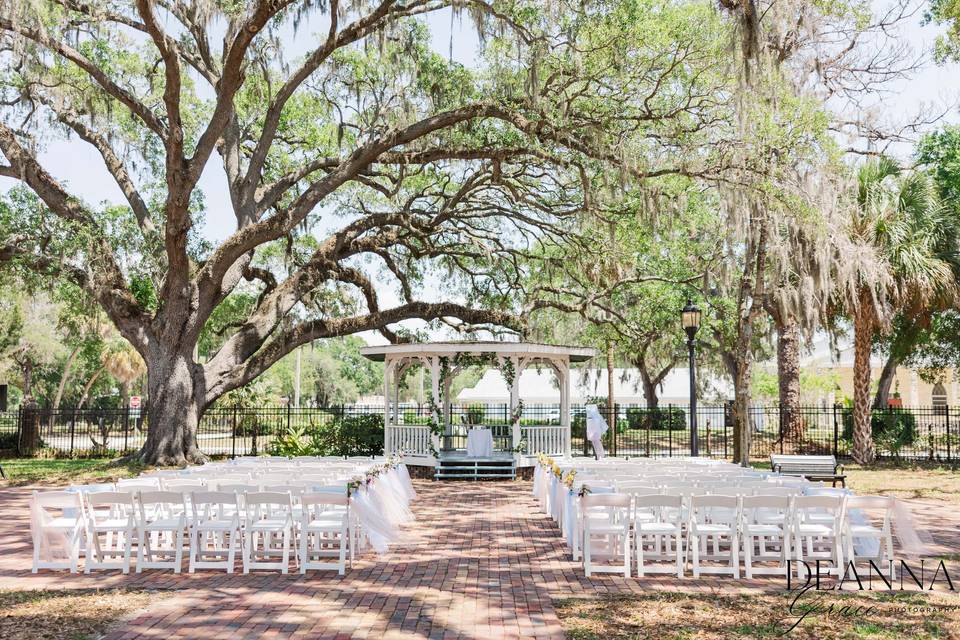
424	444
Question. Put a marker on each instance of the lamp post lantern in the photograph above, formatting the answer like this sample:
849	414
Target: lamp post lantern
690	318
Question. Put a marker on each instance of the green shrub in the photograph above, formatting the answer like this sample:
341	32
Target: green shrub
475	414
291	442
657	419
248	424
8	440
412	418
360	435
893	429
579	422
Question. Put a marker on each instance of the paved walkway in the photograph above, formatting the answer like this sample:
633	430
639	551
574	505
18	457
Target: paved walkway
480	562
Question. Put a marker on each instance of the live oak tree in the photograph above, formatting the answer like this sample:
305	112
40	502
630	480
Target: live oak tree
338	131
664	243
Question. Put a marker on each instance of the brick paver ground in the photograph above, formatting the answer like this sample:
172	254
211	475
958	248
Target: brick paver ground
481	561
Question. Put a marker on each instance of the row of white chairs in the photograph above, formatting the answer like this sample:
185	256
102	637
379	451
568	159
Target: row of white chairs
108	524
693	528
227	482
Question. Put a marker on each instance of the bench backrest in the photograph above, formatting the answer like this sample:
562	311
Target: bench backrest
793	464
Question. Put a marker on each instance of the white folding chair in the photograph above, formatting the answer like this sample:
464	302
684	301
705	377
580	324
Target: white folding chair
273	479
183	485
267	514
228	479
57	528
161	529
818	522
857	526
325	531
142	483
606	515
636	489
215	527
164	473
714	519
112	515
656	519
765	523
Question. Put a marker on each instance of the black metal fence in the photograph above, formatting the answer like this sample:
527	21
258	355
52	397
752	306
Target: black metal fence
915	433
919	433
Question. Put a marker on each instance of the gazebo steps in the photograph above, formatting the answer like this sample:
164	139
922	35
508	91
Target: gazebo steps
475	469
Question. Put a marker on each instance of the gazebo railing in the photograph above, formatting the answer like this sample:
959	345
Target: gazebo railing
547	439
410	439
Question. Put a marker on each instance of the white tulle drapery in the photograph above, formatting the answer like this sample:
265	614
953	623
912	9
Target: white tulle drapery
596	427
913	541
382	505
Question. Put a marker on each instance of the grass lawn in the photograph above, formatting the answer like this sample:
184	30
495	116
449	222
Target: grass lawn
67	615
675	616
21	471
907	480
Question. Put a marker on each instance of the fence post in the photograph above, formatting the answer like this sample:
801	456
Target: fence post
233	430
126	427
781	427
289	409
73	428
647	418
616	428
949	451
670	430
709	452
19	425
835	431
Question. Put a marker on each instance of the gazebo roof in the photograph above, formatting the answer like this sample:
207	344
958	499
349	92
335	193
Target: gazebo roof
528	349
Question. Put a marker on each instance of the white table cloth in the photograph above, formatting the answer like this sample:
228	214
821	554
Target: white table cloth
479	443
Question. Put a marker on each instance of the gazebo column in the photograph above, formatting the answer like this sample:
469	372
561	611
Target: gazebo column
564	370
447	408
514	402
435	390
399	367
387	415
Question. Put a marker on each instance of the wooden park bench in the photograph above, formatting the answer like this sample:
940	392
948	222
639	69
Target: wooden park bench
813	468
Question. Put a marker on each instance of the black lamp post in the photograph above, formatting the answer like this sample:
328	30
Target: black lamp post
690	317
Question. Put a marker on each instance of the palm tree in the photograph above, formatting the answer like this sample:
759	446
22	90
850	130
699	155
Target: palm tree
889	257
125	365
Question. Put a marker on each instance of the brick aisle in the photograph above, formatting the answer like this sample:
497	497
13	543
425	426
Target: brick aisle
479	562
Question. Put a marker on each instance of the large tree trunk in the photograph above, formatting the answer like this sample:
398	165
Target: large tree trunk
649	389
174	386
26	371
85	394
741	413
748	299
882	399
733	369
611	399
67	370
863	449
788	379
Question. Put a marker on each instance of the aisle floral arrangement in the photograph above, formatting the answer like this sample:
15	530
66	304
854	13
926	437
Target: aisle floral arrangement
392	462
550	465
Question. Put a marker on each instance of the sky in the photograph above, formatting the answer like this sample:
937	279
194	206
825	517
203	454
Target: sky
80	167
